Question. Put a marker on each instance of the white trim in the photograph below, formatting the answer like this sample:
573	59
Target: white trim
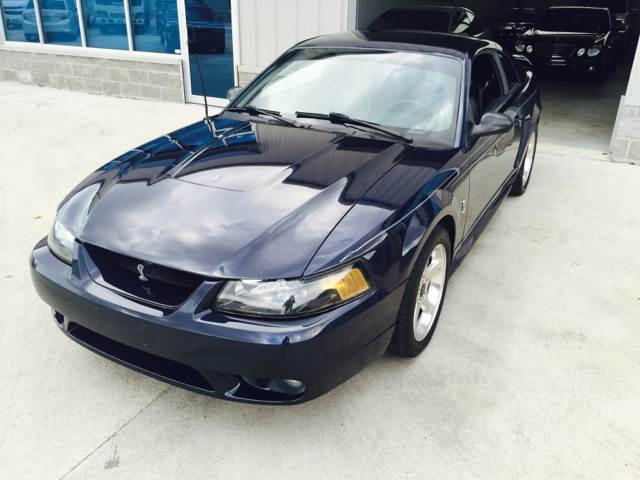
632	101
91	52
214	102
184	47
352	14
36	9
250	69
83	33
3	38
127	23
235	38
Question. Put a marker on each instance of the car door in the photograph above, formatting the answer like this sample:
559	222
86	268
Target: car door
492	157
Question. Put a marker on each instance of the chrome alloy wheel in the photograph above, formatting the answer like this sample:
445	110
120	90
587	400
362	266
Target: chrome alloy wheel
528	157
430	292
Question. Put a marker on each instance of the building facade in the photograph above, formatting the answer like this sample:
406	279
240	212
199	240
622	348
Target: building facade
176	50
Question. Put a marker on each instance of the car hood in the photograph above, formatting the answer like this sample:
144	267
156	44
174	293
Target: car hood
257	201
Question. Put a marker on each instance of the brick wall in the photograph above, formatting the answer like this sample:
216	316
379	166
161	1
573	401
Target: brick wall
120	78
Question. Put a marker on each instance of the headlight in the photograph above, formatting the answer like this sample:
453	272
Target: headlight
529	48
61	242
581	52
292	297
520	46
594	51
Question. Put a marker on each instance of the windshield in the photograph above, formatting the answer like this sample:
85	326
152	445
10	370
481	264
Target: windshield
576	20
413	92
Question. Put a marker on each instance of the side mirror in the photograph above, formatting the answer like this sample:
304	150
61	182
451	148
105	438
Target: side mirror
233	93
492	124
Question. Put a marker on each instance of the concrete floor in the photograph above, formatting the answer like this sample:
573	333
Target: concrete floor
533	373
580	112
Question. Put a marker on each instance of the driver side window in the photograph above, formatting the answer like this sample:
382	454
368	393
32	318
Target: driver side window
485	93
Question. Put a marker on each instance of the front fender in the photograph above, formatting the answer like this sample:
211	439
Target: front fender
391	239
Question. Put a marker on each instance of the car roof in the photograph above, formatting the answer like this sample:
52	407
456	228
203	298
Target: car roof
406	40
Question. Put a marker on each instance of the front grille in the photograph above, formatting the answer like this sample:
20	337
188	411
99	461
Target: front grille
557	54
159	285
13	10
563	51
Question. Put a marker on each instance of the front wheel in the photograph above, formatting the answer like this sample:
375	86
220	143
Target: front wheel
524	174
423	298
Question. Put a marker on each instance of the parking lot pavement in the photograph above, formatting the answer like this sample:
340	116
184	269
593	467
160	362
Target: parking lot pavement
534	371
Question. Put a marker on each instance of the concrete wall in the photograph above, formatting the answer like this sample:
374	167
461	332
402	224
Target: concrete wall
625	142
120	78
269	27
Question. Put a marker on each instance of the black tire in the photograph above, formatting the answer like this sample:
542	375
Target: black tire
522	178
404	342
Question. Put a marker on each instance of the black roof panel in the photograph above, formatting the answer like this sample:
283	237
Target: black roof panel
418	41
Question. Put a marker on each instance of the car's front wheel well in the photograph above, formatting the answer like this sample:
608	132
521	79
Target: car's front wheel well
450	226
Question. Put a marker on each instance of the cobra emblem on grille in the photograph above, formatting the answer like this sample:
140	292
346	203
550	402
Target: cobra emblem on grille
141	275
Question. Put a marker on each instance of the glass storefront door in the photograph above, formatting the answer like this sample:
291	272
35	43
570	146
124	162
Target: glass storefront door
210	47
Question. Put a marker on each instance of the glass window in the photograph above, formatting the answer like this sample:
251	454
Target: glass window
19	21
210	46
155	26
60	22
510	71
104	24
416	92
486	89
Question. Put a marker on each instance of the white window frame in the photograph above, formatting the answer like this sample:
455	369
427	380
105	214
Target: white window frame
184	49
83	50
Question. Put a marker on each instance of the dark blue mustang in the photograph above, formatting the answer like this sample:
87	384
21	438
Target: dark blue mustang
269	253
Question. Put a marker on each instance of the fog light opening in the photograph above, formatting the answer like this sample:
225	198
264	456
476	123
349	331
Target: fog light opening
59	318
286	386
277	385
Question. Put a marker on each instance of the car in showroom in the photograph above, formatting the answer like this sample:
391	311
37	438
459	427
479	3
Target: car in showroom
12	12
270	252
577	38
508	27
109	16
432	18
621	12
59	20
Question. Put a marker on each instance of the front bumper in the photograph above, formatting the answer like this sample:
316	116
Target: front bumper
587	65
209	353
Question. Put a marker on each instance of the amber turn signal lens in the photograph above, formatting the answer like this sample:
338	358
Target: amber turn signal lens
350	284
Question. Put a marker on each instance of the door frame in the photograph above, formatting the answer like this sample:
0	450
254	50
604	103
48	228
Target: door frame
184	53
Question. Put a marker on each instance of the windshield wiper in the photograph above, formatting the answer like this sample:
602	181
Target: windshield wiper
251	110
343	119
